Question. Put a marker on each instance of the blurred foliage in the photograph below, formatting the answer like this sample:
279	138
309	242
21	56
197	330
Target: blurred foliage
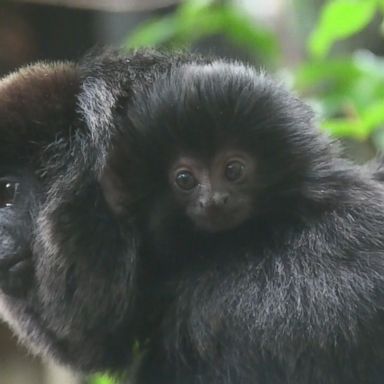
195	19
346	85
339	20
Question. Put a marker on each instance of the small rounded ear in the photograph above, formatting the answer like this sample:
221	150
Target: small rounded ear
37	104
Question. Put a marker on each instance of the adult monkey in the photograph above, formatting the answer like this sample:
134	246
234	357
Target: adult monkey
56	278
67	263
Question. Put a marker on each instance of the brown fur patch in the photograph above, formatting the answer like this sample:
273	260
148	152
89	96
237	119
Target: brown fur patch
37	103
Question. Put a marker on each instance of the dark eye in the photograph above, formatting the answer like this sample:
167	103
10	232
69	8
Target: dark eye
185	180
8	191
234	171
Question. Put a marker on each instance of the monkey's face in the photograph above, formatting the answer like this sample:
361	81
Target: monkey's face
217	194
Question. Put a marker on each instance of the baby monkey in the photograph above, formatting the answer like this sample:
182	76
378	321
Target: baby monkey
262	258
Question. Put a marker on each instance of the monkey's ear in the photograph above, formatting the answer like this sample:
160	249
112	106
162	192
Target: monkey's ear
37	104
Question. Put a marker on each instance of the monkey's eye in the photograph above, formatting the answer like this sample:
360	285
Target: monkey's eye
234	170
185	180
8	191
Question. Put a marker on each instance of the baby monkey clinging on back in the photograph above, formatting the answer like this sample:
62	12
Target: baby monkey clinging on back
263	255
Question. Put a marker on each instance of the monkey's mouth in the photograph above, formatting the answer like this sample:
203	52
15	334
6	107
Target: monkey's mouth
220	221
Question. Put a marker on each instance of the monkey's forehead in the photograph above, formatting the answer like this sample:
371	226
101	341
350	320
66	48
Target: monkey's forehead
229	85
218	93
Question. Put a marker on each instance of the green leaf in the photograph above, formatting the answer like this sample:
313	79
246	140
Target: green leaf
381	4
209	22
360	126
243	31
339	20
102	379
373	115
337	74
153	33
190	19
191	8
189	24
346	127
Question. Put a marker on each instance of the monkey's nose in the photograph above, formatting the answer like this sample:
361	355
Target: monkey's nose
220	198
215	201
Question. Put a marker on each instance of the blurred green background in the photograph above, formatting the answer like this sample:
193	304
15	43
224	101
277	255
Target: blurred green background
330	52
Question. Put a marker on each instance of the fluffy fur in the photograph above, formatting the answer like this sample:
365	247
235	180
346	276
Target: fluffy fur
292	295
74	301
68	265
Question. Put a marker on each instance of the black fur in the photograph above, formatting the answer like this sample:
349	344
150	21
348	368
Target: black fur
67	263
293	295
62	291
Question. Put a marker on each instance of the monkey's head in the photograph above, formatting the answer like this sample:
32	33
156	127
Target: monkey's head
218	144
57	265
